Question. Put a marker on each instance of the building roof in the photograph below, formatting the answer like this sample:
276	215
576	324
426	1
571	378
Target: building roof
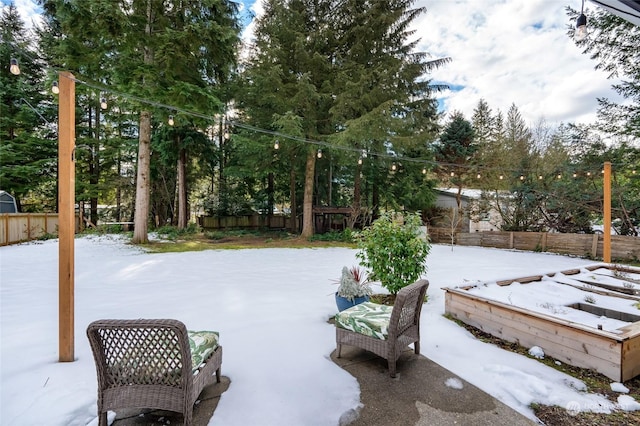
625	9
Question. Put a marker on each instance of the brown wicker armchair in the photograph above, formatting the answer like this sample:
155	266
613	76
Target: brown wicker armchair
147	363
397	327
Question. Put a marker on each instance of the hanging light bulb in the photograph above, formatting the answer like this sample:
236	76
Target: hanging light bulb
276	144
478	176
360	161
319	153
559	176
539	177
424	170
393	167
170	120
581	25
453	174
501	177
54	88
521	177
103	102
226	134
14	68
589	174
575	175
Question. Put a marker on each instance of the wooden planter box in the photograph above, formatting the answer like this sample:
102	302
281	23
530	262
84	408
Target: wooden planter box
613	354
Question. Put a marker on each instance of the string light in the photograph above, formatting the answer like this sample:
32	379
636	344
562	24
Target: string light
575	175
103	103
54	88
276	144
14	68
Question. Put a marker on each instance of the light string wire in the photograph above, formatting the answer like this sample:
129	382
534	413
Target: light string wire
396	158
239	124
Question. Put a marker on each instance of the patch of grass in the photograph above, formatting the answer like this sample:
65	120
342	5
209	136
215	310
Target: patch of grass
176	241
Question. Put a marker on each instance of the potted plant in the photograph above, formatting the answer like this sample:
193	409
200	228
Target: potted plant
353	288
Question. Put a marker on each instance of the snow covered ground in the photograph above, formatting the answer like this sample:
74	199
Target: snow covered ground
271	307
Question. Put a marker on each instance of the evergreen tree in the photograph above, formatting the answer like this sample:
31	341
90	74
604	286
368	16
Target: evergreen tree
338	67
455	151
28	141
613	43
165	52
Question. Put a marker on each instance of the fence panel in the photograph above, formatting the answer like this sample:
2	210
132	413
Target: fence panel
586	245
20	227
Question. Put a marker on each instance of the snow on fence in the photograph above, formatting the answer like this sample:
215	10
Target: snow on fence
588	245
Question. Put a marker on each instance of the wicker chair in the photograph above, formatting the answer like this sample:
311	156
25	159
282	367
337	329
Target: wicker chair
146	363
403	327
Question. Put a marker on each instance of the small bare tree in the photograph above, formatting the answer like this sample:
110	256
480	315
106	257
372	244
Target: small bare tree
454	219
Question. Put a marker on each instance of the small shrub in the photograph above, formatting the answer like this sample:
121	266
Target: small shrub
173	232
345	236
590	299
394	252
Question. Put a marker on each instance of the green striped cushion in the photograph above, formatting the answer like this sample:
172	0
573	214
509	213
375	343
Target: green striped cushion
202	344
368	318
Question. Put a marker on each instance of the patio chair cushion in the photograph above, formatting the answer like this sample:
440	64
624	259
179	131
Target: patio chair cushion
202	344
368	318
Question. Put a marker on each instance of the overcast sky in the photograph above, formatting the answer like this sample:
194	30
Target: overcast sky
504	51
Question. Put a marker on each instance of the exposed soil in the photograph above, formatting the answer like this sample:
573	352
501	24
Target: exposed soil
596	383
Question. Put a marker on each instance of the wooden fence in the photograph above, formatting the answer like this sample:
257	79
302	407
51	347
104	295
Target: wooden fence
245	222
18	227
587	245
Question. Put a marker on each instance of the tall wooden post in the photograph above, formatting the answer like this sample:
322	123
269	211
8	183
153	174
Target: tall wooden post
606	242
66	213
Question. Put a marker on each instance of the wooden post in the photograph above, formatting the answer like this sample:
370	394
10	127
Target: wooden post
606	247
66	214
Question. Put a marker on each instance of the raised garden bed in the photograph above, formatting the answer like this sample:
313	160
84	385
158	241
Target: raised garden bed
587	317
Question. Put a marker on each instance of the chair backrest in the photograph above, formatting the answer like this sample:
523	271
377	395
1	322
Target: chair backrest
140	352
408	307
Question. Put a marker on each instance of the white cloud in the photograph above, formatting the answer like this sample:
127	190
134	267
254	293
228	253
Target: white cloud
505	51
512	52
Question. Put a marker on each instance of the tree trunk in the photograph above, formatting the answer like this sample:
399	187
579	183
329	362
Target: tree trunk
307	202
141	217
143	178
292	199
182	189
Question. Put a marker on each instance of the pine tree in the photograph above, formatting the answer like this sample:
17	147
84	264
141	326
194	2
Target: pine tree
28	148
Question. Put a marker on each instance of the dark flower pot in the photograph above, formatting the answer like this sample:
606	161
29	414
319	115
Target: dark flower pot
344	303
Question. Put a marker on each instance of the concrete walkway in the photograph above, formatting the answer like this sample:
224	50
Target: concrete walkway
417	396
